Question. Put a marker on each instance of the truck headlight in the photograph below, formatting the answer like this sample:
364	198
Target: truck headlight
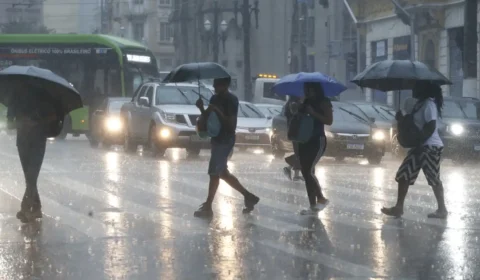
378	135
168	117
165	133
456	129
114	124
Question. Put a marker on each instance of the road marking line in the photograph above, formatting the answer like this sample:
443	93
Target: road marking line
51	208
320	258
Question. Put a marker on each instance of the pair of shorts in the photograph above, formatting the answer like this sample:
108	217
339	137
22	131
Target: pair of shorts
220	152
426	158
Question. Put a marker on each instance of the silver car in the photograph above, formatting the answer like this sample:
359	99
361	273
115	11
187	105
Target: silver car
253	128
162	116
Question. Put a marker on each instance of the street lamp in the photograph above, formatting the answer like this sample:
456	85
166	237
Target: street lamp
215	36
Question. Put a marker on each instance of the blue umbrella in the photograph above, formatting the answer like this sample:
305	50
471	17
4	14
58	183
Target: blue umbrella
293	84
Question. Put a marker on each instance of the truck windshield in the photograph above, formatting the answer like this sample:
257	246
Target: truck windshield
181	95
461	110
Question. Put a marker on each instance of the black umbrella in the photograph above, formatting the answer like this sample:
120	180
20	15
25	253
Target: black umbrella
196	71
57	87
389	75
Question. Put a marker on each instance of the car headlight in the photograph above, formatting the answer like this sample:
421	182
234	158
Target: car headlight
378	135
168	117
114	124
456	129
164	133
329	134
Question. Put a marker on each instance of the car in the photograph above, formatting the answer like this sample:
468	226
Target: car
162	116
350	135
381	115
269	110
253	128
459	129
106	125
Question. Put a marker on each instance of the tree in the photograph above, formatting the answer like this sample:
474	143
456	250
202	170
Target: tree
19	27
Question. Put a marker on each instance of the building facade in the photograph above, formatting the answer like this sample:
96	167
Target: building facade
146	21
81	17
287	39
21	11
439	41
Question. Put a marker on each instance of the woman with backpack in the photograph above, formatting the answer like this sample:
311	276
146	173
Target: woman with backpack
319	107
427	147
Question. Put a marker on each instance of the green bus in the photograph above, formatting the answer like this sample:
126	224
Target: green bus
99	66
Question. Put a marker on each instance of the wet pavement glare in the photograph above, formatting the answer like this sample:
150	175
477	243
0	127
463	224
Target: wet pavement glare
113	215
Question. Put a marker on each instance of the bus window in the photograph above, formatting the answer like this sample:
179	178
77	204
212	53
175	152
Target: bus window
268	92
114	83
98	83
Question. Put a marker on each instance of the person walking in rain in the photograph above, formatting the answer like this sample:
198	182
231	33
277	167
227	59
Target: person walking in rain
425	156
291	107
319	107
225	105
30	112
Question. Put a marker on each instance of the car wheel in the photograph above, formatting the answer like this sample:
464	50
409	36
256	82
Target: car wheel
67	127
128	145
193	152
376	159
154	148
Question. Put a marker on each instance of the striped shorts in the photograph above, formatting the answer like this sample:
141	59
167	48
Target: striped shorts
426	158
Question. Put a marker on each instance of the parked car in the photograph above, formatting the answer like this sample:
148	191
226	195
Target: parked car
106	125
381	115
162	116
350	135
253	128
459	129
269	110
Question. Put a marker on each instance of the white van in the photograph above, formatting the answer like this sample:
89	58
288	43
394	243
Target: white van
263	92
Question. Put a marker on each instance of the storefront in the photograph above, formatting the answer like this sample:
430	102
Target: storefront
379	53
401	51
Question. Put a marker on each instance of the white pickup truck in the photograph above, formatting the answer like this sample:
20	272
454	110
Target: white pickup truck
162	116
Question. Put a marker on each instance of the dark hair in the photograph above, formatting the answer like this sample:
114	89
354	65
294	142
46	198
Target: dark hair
430	90
317	88
222	81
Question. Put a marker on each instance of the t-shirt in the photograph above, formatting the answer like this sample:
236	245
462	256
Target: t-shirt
318	126
228	105
426	113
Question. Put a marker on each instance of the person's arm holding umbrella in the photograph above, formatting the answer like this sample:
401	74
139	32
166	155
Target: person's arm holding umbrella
326	117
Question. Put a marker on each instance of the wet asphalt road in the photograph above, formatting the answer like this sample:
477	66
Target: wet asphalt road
111	215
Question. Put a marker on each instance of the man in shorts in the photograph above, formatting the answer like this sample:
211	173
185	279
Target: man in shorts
225	105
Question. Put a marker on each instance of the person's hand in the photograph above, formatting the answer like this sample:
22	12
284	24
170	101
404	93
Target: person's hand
199	104
309	110
399	115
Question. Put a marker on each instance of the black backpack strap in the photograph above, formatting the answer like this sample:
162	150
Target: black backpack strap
417	107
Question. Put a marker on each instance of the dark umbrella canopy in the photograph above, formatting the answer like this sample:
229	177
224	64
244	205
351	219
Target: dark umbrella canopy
391	75
196	71
57	87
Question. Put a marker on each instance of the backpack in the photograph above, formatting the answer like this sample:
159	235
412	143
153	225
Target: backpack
300	128
409	135
209	128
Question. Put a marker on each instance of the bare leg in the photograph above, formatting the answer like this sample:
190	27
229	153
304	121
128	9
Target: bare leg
397	210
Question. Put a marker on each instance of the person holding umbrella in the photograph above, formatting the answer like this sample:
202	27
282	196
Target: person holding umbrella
36	108
316	88
225	105
427	154
31	111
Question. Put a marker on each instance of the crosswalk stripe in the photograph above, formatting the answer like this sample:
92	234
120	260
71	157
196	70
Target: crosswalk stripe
324	259
185	225
51	208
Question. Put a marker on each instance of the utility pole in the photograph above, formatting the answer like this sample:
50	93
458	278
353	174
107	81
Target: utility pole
184	19
216	15
102	16
246	11
470	40
303	35
293	53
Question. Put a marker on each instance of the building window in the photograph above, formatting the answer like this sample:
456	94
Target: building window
310	31
166	32
14	14
165	2
138	31
138	2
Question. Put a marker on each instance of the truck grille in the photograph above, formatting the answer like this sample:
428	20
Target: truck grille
180	119
193	119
